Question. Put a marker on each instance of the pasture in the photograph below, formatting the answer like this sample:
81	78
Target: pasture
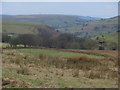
56	53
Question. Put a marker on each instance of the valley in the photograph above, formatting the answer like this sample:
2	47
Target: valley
59	51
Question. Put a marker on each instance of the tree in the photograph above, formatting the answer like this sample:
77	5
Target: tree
27	39
101	41
5	38
14	42
64	39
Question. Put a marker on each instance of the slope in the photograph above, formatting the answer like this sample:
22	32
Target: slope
112	37
27	28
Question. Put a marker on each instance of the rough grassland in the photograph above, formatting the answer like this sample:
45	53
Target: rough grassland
24	70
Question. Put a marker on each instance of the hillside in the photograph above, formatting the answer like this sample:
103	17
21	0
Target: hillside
112	37
56	21
27	28
79	25
94	28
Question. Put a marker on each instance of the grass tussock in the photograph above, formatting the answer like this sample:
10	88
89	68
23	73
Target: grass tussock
23	70
76	73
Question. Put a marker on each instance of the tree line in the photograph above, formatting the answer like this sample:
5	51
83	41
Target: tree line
64	41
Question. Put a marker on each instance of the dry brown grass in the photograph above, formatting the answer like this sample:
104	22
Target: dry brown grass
52	67
109	53
75	73
23	70
99	67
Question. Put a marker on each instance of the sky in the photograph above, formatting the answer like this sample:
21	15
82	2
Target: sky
93	9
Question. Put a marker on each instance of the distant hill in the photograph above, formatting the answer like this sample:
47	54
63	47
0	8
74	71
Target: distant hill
93	28
55	21
89	18
27	28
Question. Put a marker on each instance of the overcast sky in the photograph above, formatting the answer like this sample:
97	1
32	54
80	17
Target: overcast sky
93	9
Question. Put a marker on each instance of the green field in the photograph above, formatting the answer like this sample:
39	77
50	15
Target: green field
20	27
56	53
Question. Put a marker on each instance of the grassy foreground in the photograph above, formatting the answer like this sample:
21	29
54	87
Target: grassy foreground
25	68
